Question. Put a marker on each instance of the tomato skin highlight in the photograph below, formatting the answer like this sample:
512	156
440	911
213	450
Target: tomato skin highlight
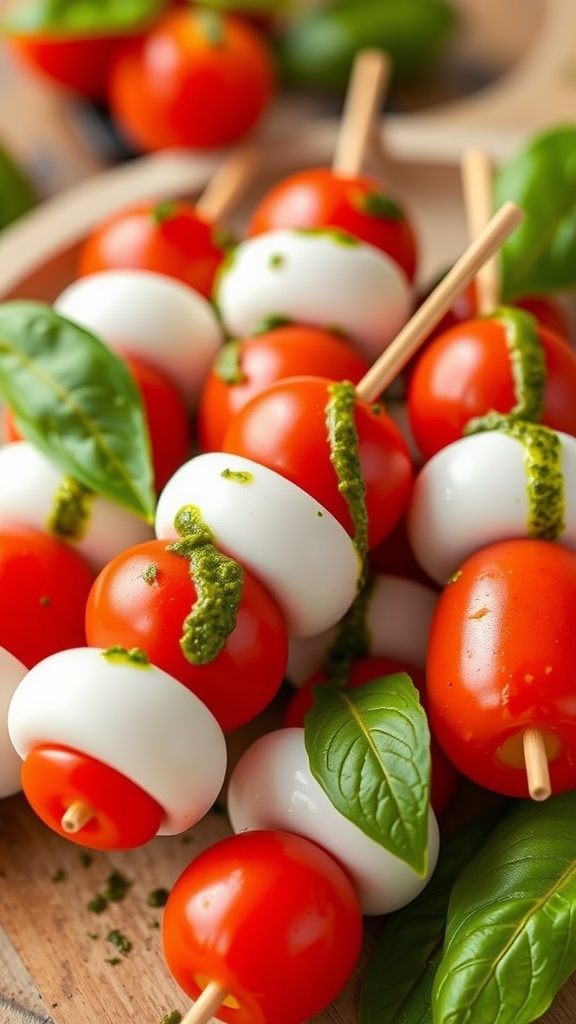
265	358
467	371
125	817
501	658
197	78
317	198
284	428
44	586
141	599
80	64
256	910
168	238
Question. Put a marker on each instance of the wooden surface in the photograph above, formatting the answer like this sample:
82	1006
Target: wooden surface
53	950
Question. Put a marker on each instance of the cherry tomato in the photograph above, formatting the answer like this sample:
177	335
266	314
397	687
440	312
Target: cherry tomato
199	78
284	428
81	64
44	585
124	816
244	368
444	776
319	198
272	918
502	658
469	370
169	238
141	599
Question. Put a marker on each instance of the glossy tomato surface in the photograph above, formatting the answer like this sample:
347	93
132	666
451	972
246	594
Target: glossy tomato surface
244	368
169	424
501	658
469	370
285	428
272	918
80	64
44	586
142	599
123	816
199	77
360	205
168	238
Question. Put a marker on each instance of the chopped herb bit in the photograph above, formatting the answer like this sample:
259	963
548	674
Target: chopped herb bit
155	924
150	573
174	1017
276	260
98	904
116	937
117	886
158	898
113	960
59	875
92	935
135	656
45	601
85	858
185	839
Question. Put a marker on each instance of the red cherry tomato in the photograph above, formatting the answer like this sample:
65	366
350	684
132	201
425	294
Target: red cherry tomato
124	816
80	64
272	918
468	370
199	78
359	205
44	585
444	776
244	368
284	428
169	238
501	658
141	599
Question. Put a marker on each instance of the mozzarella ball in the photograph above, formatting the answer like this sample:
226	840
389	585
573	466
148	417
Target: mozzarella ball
473	493
272	787
29	486
398	617
323	278
294	546
142	313
134	718
11	672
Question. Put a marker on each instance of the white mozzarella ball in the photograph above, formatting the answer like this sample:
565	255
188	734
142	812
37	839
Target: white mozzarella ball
134	718
398	616
272	787
142	313
11	672
473	493
29	484
291	543
319	277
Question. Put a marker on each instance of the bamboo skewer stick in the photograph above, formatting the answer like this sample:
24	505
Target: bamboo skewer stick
536	762
477	177
228	184
78	814
415	332
364	99
206	1005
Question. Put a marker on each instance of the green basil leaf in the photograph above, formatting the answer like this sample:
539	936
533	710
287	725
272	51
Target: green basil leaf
369	748
16	192
409	945
540	255
75	400
81	17
511	930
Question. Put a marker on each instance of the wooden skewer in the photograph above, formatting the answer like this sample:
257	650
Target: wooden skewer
229	183
207	1004
477	178
536	761
78	814
409	339
364	99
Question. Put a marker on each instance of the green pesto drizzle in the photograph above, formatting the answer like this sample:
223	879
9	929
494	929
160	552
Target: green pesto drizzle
353	639
527	364
238	476
228	363
270	323
377	204
150	574
343	441
218	581
163	211
71	507
545	479
121	655
337	235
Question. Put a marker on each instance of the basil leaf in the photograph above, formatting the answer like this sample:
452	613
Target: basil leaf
369	749
75	400
81	17
511	931
409	945
540	255
16	192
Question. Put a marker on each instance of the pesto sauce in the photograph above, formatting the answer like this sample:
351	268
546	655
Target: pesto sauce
228	363
337	235
121	655
218	581
353	640
71	508
377	204
343	441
